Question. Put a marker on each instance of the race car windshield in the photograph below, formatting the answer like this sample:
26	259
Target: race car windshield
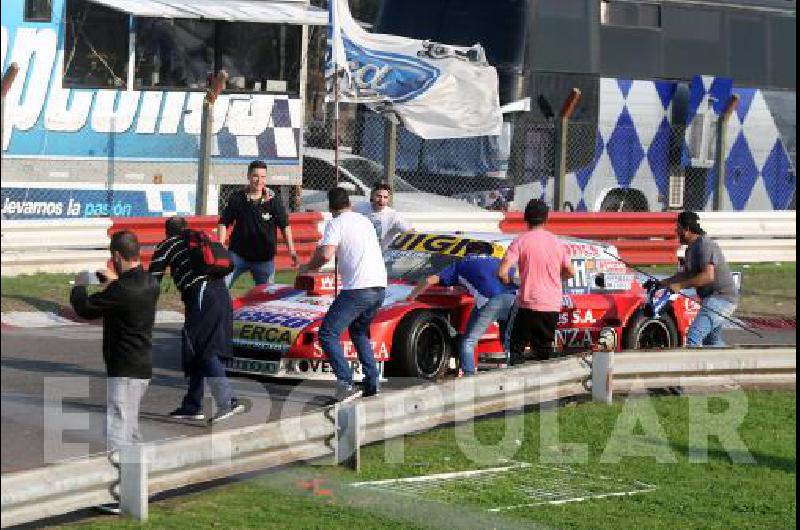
413	266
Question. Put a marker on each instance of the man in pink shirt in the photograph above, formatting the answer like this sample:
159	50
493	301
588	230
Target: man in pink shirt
543	265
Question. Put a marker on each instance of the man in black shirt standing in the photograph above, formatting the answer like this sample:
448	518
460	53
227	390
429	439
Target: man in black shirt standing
207	331
257	214
127	306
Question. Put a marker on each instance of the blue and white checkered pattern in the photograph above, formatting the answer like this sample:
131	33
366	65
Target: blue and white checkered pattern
633	139
280	141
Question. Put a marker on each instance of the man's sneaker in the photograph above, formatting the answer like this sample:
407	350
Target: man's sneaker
223	414
182	414
346	393
110	508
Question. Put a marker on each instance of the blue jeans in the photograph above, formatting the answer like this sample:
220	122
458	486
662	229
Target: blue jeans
496	309
211	369
262	271
706	329
353	309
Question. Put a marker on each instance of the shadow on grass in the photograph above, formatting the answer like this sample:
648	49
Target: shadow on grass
778	463
39	304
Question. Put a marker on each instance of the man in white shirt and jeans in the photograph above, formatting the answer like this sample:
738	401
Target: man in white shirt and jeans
387	222
363	273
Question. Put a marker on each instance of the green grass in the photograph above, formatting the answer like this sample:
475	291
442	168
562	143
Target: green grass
767	288
50	292
717	493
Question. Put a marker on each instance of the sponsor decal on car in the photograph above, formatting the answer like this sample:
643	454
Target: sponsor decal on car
582	250
441	244
576	337
621	282
577	316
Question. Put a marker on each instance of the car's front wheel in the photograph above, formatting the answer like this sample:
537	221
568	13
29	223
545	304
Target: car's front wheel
421	347
647	333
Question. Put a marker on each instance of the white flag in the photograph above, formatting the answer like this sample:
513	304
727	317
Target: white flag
438	91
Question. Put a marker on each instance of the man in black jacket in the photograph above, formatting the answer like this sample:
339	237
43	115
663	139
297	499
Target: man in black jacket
127	306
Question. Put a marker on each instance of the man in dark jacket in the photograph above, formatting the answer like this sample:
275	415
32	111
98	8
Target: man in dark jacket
127	306
256	214
207	329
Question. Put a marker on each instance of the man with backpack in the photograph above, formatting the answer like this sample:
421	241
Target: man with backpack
198	266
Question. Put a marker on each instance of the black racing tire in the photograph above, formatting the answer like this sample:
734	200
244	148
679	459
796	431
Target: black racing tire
647	333
421	348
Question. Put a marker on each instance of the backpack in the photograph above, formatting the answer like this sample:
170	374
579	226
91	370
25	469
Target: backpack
208	256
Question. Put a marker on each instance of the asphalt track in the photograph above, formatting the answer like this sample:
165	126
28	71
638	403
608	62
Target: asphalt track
53	392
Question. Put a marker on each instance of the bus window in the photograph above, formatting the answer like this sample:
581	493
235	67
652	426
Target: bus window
96	46
38	10
182	54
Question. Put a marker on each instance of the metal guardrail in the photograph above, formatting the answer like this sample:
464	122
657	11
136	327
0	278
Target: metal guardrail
54	245
60	488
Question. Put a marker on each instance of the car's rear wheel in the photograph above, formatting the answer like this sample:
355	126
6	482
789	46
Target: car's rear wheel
646	333
421	347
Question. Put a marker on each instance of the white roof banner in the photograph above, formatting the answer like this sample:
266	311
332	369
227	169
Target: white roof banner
261	11
438	91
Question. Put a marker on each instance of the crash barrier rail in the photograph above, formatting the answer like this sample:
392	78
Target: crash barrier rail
640	238
147	469
150	231
752	237
54	245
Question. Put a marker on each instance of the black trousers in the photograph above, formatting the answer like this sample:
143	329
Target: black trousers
536	329
208	327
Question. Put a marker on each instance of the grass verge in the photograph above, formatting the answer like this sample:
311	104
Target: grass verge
767	288
714	493
50	292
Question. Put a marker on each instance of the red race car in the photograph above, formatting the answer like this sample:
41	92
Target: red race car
275	326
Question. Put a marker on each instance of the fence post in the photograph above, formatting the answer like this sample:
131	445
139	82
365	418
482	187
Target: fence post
8	80
561	130
206	128
602	376
390	151
348	436
133	481
721	147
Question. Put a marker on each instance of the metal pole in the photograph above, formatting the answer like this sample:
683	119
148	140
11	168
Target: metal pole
390	152
561	130
206	129
721	147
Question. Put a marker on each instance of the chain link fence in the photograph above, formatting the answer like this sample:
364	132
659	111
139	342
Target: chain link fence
605	166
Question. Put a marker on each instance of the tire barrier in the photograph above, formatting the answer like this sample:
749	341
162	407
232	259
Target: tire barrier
150	231
640	238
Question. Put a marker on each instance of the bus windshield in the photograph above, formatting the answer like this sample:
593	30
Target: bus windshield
499	26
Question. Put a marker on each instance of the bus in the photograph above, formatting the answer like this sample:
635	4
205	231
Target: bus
654	77
104	116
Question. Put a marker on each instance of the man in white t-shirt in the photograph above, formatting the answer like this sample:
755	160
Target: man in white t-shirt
387	222
363	273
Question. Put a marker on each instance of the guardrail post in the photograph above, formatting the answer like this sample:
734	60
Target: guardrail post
602	376
133	481
561	133
348	436
721	147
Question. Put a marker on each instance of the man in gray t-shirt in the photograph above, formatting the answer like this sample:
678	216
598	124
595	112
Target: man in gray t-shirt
706	270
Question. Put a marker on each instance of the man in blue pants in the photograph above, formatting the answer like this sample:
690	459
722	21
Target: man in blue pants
207	330
351	238
493	299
